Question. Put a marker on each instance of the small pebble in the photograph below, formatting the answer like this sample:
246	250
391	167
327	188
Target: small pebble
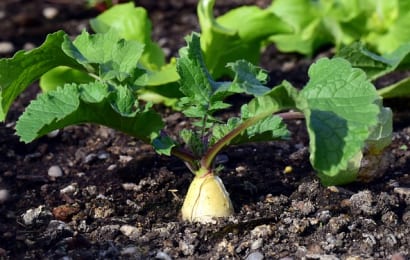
125	158
70	189
240	169
261	231
103	156
4	195
111	167
80	174
129	251
55	171
29	46
90	157
6	47
362	202
257	244
53	134
163	256
130	186
255	256
130	231
30	215
50	12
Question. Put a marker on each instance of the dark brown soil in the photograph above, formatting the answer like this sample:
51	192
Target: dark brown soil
117	199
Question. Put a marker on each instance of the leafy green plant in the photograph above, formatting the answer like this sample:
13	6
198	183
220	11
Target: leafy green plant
238	34
383	25
377	66
130	23
341	108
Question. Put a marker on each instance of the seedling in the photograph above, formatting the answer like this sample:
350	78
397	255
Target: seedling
341	108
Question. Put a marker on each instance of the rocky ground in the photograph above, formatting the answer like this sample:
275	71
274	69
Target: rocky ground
88	192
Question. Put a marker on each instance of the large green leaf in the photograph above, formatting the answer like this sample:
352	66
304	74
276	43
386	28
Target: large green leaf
397	27
131	23
116	58
25	67
340	107
238	34
86	103
384	25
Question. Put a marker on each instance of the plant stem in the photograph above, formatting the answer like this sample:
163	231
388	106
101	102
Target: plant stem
186	157
209	156
292	115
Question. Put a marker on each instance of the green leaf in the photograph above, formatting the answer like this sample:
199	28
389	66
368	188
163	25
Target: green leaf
61	75
400	57
399	89
396	28
131	23
75	104
196	82
238	34
203	95
281	97
340	110
377	66
305	17
26	67
163	144
368	163
116	58
248	79
374	65
123	101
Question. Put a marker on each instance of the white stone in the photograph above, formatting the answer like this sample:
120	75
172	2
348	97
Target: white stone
6	47
30	215
125	158
255	256
131	186
257	244
162	256
50	12
4	195
111	167
55	171
130	231
53	134
70	189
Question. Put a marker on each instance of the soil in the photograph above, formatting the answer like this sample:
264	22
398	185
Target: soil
117	199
